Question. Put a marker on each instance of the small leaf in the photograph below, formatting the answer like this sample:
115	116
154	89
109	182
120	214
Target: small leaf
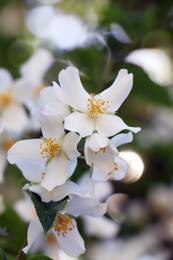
47	211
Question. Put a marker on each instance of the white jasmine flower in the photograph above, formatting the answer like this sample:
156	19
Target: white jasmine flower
95	112
49	160
101	152
11	108
6	141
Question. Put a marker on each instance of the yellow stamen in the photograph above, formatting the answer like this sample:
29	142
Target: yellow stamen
63	224
38	88
8	144
5	99
49	148
96	105
115	166
103	150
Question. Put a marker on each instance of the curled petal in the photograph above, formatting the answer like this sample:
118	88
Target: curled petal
109	125
69	145
85	206
34	231
120	139
118	91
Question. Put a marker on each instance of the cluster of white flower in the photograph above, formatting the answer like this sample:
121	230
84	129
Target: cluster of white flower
71	117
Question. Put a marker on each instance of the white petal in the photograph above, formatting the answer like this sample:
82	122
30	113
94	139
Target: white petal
109	125
3	163
57	108
6	79
35	68
15	117
85	206
48	95
69	145
66	189
51	125
102	160
32	171
118	91
72	244
96	141
72	167
56	173
99	175
120	139
43	193
34	231
25	150
122	169
80	123
101	227
71	85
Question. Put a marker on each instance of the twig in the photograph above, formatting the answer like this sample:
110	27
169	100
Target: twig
21	252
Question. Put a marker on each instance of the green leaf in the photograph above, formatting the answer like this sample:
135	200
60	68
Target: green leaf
39	257
47	211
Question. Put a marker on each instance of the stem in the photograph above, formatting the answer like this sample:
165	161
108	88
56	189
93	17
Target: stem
18	257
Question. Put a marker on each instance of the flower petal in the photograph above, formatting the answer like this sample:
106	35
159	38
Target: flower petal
85	206
6	79
56	172
109	125
101	227
118	91
32	171
25	150
71	85
66	189
80	123
51	125
69	145
120	172
103	160
15	118
96	141
36	66
99	175
34	231
57	108
120	139
72	244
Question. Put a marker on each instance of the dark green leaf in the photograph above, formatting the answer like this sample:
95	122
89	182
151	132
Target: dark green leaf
46	211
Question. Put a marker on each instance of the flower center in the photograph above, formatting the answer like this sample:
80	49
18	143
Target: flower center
38	89
63	224
103	150
115	166
8	144
5	99
96	105
49	147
